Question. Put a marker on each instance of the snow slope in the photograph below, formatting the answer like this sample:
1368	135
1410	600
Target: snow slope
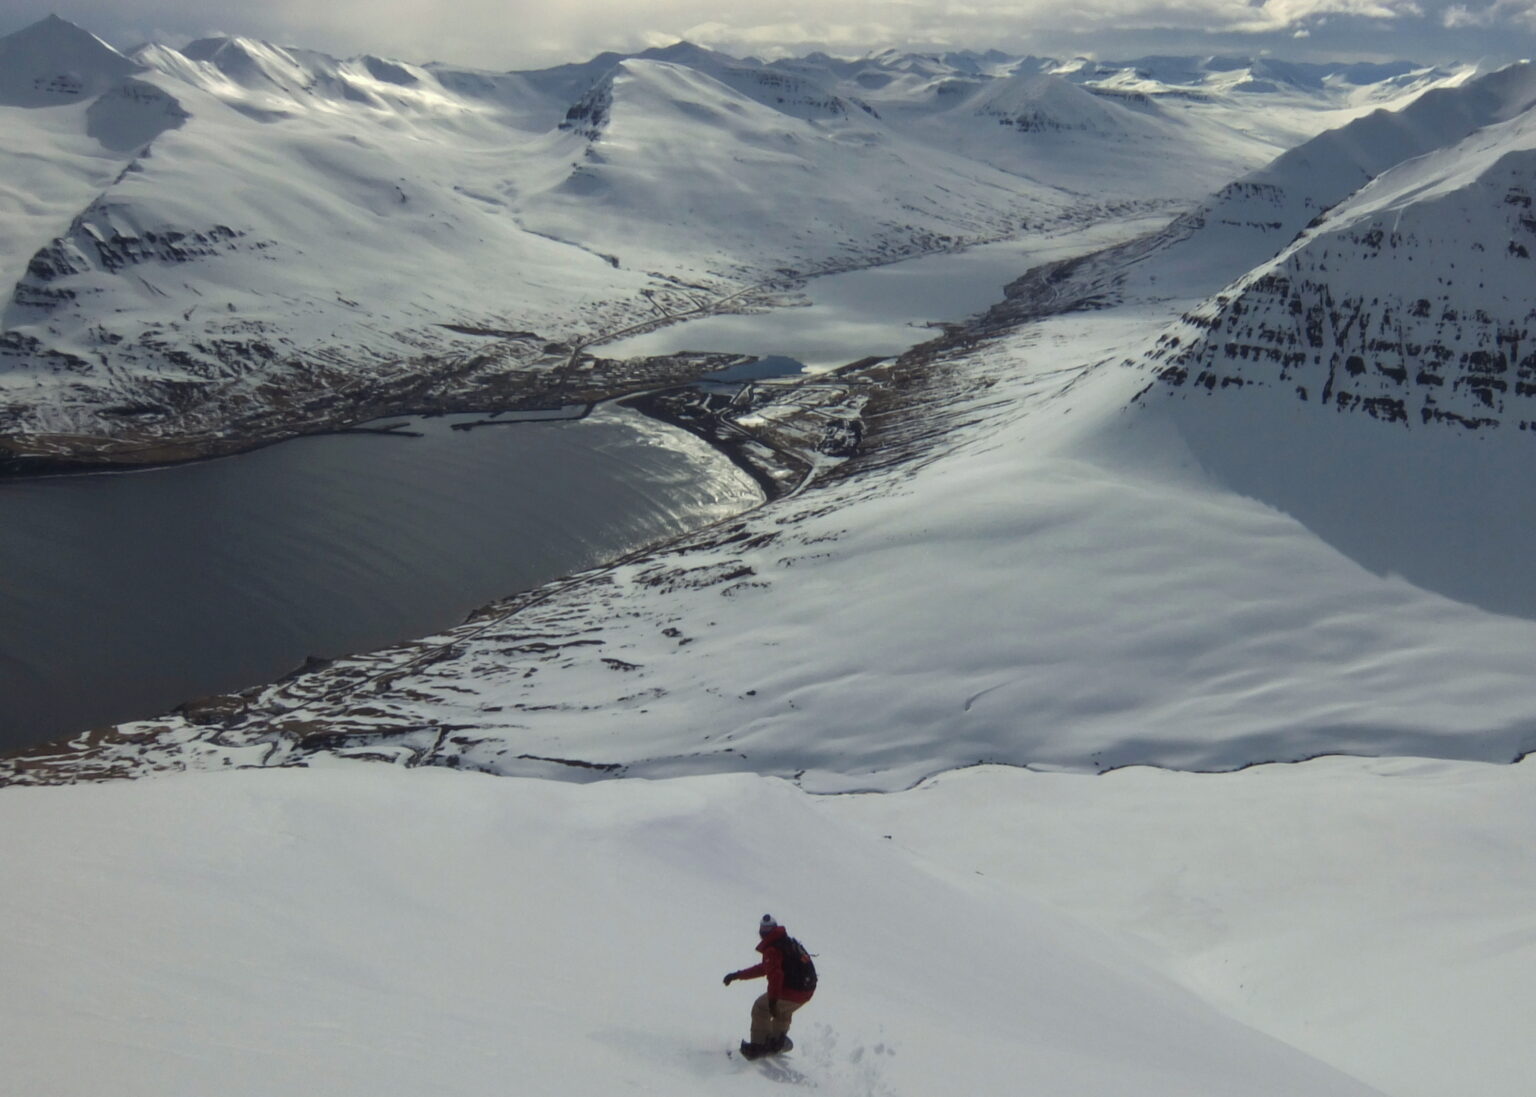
1043	126
731	163
1374	913
372	931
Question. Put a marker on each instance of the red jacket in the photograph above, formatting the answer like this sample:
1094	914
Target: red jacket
773	967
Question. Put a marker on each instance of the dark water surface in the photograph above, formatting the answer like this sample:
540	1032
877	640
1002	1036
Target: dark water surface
122	595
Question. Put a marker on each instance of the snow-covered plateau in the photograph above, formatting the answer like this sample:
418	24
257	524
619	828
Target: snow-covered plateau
1129	692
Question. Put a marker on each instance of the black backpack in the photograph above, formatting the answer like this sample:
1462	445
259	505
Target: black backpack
799	971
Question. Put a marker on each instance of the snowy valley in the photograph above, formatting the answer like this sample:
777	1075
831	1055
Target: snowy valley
1128	691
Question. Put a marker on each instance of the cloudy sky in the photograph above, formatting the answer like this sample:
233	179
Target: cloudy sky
503	34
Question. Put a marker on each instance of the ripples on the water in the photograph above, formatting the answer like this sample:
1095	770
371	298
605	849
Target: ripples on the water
122	595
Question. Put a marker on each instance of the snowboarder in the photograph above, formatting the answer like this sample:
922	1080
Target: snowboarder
791	982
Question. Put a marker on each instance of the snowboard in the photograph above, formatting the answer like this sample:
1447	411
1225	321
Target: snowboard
787	1045
774	1067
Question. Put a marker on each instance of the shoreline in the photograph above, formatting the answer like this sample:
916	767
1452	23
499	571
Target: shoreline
662	371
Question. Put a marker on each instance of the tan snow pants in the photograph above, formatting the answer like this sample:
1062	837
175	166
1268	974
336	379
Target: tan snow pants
768	1026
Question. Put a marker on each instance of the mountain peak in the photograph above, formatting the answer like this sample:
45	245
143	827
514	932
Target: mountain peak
681	51
56	33
1030	101
51	25
207	49
53	61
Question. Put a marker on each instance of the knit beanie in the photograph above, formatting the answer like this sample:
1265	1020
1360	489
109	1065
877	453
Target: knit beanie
766	926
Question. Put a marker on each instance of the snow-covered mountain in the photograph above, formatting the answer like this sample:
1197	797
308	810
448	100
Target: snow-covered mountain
235	240
55	63
54	165
1374	377
1039	102
1251	220
730	160
1409	299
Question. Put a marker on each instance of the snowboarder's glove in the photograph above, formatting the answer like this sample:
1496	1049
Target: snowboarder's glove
730	977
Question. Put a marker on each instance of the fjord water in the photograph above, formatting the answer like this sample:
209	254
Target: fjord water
881	311
875	312
124	594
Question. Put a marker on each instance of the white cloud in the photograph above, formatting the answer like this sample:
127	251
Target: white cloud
1518	12
792	35
524	33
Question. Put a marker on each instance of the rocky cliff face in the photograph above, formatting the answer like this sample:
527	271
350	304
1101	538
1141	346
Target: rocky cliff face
1413	303
588	116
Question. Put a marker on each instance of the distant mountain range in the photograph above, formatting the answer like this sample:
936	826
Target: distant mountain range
240	239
